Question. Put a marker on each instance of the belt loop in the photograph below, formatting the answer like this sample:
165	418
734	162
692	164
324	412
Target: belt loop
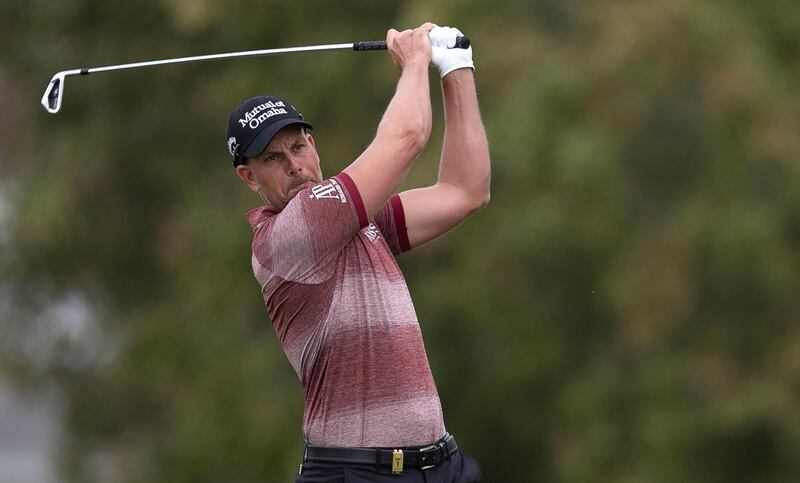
377	459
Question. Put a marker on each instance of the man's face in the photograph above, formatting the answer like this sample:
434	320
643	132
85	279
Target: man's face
288	164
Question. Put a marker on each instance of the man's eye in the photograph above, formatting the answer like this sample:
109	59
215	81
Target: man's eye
272	157
299	147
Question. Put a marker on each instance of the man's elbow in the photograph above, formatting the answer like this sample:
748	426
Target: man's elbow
415	137
484	200
474	198
484	194
481	201
408	140
477	201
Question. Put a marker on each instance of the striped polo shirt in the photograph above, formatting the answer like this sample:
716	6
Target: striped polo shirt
344	317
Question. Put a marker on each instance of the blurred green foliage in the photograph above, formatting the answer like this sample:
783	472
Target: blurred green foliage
625	310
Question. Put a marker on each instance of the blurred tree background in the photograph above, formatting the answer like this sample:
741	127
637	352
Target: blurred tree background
625	310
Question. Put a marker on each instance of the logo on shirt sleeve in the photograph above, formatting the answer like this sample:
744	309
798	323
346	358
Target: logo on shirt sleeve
330	189
371	232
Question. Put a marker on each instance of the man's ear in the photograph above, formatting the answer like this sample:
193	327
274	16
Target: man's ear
310	140
246	174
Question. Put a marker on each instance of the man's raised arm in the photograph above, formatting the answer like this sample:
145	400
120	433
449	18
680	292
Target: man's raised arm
462	186
406	125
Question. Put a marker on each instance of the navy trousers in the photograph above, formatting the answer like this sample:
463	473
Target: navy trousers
459	468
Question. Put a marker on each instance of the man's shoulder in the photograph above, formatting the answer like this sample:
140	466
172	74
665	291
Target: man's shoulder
258	216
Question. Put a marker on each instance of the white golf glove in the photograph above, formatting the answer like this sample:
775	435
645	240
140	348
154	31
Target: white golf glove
444	56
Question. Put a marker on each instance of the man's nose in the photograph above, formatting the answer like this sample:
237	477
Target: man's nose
294	165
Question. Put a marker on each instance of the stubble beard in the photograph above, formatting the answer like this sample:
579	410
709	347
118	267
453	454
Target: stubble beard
277	204
270	201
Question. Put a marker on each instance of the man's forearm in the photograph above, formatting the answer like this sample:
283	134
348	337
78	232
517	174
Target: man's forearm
409	112
402	134
465	151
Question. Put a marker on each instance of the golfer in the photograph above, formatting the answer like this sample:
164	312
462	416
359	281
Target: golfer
324	254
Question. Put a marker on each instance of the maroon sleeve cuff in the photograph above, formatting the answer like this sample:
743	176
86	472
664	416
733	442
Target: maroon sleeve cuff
400	223
355	197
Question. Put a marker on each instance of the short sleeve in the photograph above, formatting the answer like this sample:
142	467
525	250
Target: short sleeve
391	221
300	242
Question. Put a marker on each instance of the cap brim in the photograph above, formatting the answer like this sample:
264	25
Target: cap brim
263	138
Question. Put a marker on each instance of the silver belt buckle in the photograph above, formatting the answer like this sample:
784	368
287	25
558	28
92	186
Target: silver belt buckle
437	448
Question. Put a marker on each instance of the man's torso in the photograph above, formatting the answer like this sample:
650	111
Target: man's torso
343	314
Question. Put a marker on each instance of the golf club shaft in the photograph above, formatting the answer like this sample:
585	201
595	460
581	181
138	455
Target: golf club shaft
197	58
461	42
54	94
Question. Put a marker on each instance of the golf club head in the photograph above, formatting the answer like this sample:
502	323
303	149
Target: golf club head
54	94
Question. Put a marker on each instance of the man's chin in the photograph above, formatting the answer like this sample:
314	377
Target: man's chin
296	189
279	205
300	187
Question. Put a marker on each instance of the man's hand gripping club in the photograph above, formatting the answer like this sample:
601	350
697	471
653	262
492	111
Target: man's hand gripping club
410	46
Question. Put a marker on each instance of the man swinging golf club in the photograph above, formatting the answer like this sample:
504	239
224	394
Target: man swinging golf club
323	253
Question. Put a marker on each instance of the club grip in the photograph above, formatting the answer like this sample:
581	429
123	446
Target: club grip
369	45
462	42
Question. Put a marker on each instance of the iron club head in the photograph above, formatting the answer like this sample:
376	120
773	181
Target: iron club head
51	100
54	94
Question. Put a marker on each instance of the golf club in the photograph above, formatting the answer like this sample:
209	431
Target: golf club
54	94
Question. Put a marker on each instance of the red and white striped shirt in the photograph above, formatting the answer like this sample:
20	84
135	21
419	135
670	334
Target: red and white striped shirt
344	317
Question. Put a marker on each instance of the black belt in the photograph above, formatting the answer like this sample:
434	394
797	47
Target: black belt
417	457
